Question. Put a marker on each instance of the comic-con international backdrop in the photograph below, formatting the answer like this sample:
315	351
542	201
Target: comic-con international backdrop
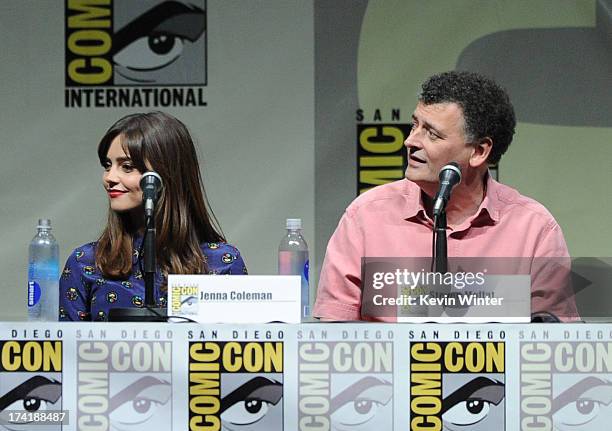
289	102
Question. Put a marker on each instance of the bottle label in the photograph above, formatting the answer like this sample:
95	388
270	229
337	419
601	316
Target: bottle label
33	293
305	271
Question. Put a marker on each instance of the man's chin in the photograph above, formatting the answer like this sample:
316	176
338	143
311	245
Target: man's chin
419	179
427	185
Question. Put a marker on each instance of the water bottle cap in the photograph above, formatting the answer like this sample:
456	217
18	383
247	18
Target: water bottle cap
44	223
294	223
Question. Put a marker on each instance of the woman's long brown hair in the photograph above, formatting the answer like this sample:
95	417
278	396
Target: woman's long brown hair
157	141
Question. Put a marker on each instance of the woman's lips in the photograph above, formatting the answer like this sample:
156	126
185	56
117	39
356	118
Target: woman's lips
115	193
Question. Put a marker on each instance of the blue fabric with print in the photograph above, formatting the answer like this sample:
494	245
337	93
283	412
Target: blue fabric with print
86	295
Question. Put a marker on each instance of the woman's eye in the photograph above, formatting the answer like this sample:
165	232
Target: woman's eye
468	412
245	412
127	168
579	412
150	52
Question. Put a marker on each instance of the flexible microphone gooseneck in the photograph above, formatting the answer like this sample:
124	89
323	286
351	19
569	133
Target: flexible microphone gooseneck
151	185
450	176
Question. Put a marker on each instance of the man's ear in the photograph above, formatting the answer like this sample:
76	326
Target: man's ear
481	152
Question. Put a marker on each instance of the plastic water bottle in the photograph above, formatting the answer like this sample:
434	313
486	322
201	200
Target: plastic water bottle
293	259
43	275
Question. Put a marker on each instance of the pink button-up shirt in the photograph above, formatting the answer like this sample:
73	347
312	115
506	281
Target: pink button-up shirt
390	221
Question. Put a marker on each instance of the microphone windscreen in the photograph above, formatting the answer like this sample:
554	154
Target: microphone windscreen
449	170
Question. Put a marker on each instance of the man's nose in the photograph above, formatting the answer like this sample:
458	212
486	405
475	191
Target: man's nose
413	140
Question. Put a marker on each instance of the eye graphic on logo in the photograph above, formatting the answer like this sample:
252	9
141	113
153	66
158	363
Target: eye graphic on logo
189	300
33	395
586	402
472	402
156	39
468	412
250	402
139	402
359	403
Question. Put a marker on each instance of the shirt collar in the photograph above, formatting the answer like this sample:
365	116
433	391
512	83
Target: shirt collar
490	207
414	204
488	212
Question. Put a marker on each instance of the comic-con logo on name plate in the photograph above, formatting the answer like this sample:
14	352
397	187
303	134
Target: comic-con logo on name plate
185	300
345	386
457	385
135	53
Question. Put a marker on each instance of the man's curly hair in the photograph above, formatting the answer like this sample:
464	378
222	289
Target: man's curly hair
486	107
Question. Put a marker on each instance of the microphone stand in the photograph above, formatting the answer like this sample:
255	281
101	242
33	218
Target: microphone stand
441	253
149	262
149	313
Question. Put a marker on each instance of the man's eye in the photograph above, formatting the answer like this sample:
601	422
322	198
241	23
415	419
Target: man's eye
245	412
432	135
150	52
577	413
468	412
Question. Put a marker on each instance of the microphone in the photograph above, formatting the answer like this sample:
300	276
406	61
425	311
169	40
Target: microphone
544	317
151	185
450	176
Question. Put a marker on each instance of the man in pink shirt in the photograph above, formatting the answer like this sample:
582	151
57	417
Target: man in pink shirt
465	118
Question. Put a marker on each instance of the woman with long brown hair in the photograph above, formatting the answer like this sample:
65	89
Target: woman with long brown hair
106	273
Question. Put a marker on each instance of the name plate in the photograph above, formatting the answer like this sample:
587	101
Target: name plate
235	298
